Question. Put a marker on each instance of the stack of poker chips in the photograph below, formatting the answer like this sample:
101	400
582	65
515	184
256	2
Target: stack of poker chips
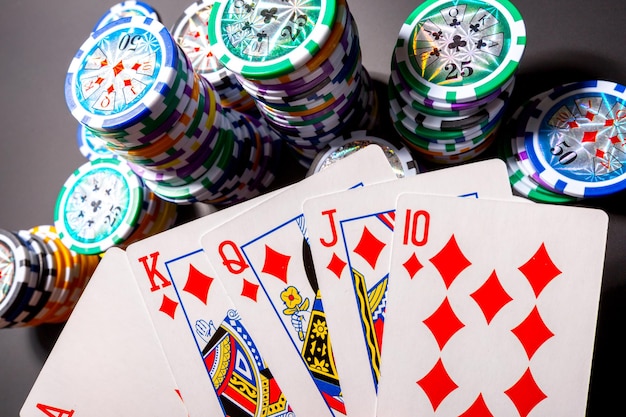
40	278
104	203
191	32
400	159
567	143
132	86
241	164
301	64
452	73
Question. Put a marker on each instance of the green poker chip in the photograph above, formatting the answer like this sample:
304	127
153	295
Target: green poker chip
459	51
574	138
269	38
99	206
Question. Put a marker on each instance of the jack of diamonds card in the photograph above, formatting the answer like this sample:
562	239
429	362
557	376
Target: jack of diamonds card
263	259
350	236
491	309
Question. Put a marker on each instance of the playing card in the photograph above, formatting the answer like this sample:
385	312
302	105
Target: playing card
262	258
350	236
214	358
107	360
491	308
217	366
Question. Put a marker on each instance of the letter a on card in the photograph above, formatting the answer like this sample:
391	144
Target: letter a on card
107	360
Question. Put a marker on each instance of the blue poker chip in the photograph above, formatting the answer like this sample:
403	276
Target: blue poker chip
122	74
575	138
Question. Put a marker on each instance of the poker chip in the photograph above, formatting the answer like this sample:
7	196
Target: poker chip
210	180
16	277
442	41
216	172
404	123
443	104
463	156
103	204
400	159
523	178
123	74
126	9
303	69
191	32
40	298
41	280
164	117
277	39
98	206
568	139
176	143
66	271
441	125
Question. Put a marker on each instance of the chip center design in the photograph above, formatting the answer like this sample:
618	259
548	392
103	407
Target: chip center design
269	29
458	44
118	71
586	137
96	205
